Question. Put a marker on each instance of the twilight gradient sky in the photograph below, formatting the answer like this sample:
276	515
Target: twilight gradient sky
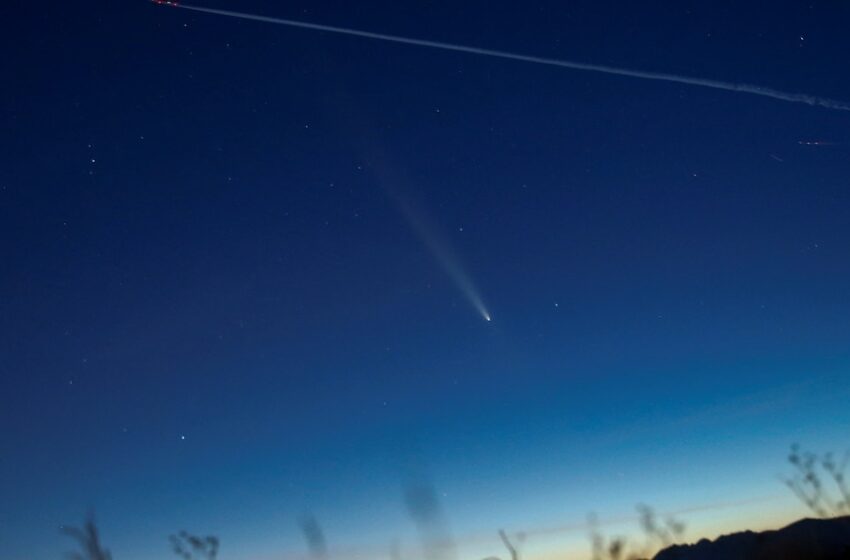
221	306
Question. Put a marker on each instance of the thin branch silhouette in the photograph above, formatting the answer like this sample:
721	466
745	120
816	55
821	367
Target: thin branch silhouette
88	538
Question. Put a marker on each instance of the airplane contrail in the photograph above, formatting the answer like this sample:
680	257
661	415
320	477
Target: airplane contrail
659	76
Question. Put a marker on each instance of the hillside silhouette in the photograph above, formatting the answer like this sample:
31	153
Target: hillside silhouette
807	539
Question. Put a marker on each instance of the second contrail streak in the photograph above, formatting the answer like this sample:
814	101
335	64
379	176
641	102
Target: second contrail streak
728	86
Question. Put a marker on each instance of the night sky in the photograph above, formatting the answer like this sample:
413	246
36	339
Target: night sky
244	268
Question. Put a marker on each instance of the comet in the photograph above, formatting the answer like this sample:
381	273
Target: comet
804	98
396	185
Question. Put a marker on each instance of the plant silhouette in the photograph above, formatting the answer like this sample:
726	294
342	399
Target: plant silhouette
88	539
657	533
812	474
191	547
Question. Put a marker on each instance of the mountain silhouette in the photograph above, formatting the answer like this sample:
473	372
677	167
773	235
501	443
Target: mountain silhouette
807	539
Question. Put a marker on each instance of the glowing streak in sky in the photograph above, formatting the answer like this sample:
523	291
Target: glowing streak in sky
438	245
442	250
714	84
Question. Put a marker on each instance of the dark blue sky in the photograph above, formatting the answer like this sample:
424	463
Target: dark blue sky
216	314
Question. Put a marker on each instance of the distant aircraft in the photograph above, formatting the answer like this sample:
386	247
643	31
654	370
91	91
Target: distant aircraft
166	2
816	143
